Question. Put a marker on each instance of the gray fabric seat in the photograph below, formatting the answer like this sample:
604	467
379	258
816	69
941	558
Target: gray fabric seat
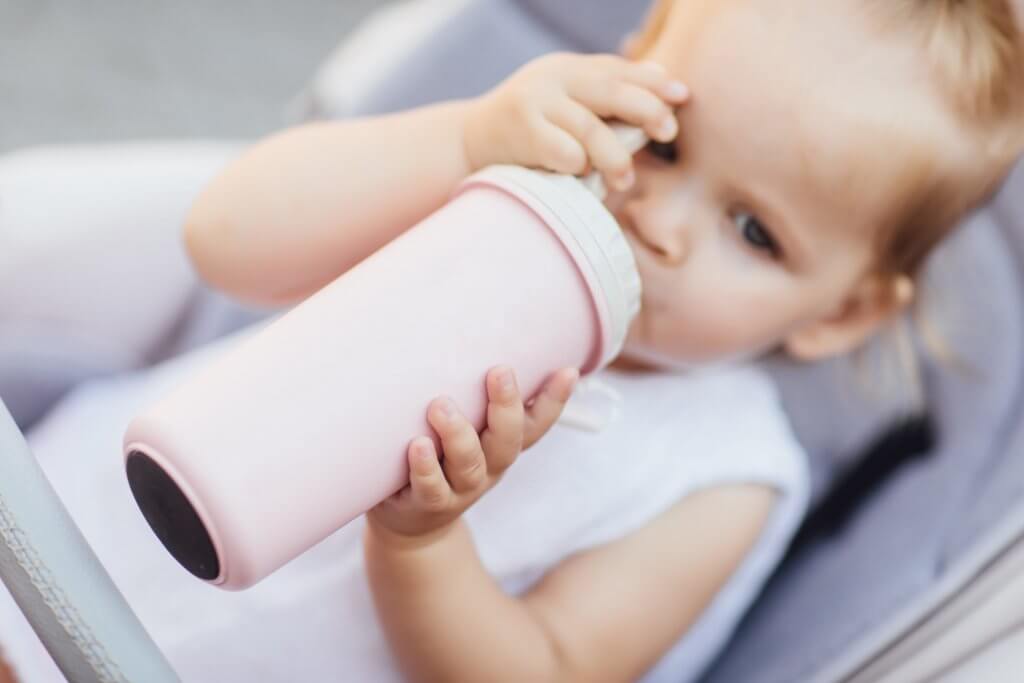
929	520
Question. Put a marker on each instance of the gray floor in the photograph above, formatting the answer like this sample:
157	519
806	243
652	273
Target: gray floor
97	70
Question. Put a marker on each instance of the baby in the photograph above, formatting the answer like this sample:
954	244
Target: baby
798	180
807	156
788	203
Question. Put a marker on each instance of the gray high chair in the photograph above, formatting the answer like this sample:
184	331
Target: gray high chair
909	568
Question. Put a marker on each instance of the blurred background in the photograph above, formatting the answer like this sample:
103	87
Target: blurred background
77	71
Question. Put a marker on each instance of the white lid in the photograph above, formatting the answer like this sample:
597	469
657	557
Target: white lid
592	236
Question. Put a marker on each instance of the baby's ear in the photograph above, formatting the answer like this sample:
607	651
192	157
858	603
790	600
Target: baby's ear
871	304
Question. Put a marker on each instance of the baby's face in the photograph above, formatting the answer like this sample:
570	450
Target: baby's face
763	216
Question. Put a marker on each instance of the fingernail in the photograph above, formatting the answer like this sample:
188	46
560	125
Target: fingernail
668	128
448	408
507	381
677	90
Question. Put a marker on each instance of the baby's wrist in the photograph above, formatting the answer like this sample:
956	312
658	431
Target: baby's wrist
401	541
477	146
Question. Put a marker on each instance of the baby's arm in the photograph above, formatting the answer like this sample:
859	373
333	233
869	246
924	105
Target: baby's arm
301	207
607	614
306	204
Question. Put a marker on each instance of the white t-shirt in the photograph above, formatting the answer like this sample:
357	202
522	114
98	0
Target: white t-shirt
313	620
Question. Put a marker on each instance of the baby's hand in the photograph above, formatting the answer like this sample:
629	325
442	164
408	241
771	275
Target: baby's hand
439	492
551	114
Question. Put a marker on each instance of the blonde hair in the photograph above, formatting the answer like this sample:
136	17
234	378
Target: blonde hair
975	52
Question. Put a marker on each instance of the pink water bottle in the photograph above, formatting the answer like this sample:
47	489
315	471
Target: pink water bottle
305	425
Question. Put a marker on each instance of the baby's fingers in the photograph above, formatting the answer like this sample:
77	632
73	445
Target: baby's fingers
641	93
605	151
503	438
656	78
548	405
557	149
464	464
629	103
429	488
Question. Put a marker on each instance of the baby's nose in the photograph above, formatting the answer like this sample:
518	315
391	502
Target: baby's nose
667	241
663	222
670	245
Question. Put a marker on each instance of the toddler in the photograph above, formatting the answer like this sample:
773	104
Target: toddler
806	157
787	204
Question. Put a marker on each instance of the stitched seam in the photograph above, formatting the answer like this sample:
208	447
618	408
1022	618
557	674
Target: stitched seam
55	598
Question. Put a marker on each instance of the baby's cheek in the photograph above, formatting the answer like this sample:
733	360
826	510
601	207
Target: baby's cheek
720	330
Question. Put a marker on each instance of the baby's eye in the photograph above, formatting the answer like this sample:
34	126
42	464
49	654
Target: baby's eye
756	234
666	151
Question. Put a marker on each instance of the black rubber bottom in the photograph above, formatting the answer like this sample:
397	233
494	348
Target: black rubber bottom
171	516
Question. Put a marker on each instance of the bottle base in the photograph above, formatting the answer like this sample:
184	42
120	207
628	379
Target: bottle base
171	516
